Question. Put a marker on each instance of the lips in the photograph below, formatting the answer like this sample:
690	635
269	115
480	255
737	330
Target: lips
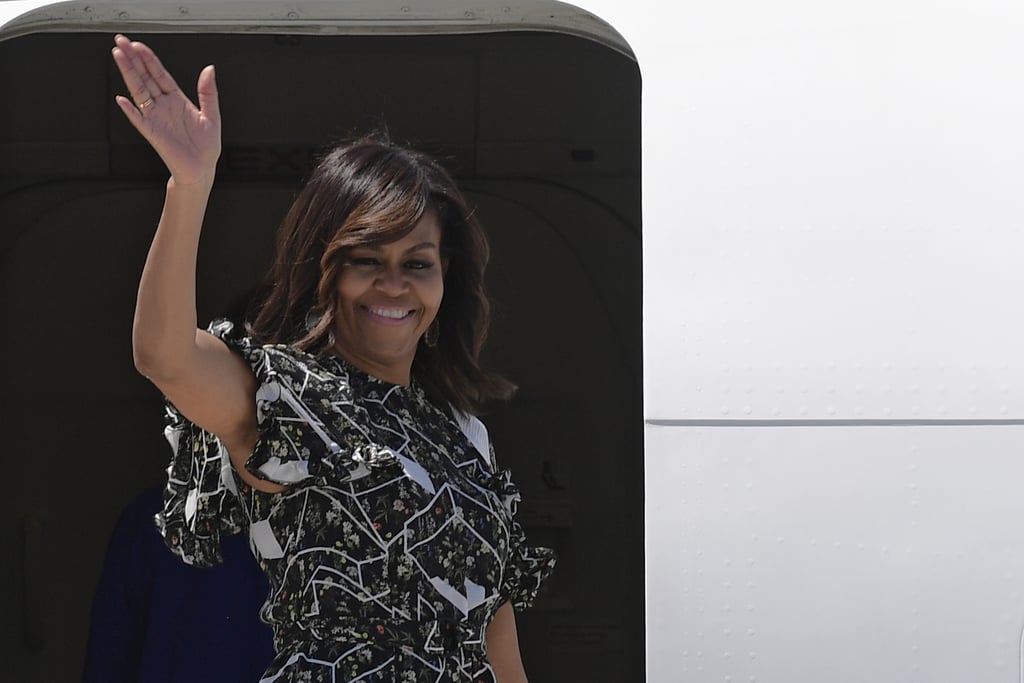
389	313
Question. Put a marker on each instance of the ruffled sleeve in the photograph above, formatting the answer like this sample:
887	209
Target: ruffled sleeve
294	400
302	414
198	508
528	566
200	505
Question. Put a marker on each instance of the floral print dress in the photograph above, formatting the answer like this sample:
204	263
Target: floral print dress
395	542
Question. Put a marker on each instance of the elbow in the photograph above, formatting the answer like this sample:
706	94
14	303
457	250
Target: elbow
142	364
155	362
147	363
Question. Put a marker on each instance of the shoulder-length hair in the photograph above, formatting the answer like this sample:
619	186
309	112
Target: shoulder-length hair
371	192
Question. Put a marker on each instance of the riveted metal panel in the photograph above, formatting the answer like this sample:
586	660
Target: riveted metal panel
844	554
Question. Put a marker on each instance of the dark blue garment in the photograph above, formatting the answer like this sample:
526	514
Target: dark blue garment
158	620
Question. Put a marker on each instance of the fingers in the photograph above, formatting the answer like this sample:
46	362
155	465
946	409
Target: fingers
134	115
160	78
142	72
133	72
209	102
147	79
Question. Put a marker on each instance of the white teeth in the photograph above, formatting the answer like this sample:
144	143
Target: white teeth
394	313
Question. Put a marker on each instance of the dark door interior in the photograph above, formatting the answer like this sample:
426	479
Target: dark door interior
542	130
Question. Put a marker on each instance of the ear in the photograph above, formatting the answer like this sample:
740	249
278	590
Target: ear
444	266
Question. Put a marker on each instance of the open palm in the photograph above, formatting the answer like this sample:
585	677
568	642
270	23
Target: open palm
187	138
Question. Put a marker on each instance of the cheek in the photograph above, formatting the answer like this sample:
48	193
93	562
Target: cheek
430	289
348	288
438	293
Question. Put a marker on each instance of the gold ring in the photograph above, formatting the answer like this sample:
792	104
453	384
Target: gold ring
147	103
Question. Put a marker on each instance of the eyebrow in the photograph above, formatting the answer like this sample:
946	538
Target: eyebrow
418	247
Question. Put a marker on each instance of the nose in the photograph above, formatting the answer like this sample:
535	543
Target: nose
391	281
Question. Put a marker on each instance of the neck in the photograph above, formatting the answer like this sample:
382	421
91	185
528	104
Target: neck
392	373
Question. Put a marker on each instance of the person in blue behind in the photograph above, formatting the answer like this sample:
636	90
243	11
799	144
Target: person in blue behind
150	607
338	430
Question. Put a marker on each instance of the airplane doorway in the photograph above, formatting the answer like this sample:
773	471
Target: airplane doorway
542	131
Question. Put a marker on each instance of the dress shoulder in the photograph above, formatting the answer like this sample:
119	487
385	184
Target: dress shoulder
310	424
309	428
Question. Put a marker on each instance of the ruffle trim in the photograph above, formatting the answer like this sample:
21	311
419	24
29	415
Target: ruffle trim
199	509
294	444
528	566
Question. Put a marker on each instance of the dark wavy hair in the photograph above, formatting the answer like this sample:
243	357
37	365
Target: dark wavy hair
372	192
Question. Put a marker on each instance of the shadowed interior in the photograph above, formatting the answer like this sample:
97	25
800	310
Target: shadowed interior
541	130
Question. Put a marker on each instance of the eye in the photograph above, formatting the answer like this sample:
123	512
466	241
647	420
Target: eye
364	261
418	265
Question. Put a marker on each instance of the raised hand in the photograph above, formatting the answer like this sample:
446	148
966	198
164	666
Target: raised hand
186	138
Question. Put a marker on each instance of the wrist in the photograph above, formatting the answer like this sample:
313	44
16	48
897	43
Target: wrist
202	184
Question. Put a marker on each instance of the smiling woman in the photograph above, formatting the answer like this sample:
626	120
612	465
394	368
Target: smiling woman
340	432
382	227
388	297
541	132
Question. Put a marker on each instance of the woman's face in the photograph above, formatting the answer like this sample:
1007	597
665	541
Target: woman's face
387	296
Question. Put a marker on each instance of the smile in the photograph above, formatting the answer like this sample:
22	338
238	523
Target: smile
395	314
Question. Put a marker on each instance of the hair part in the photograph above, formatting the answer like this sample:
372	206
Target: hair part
371	192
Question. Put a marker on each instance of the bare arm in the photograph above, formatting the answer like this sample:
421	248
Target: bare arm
208	383
503	646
